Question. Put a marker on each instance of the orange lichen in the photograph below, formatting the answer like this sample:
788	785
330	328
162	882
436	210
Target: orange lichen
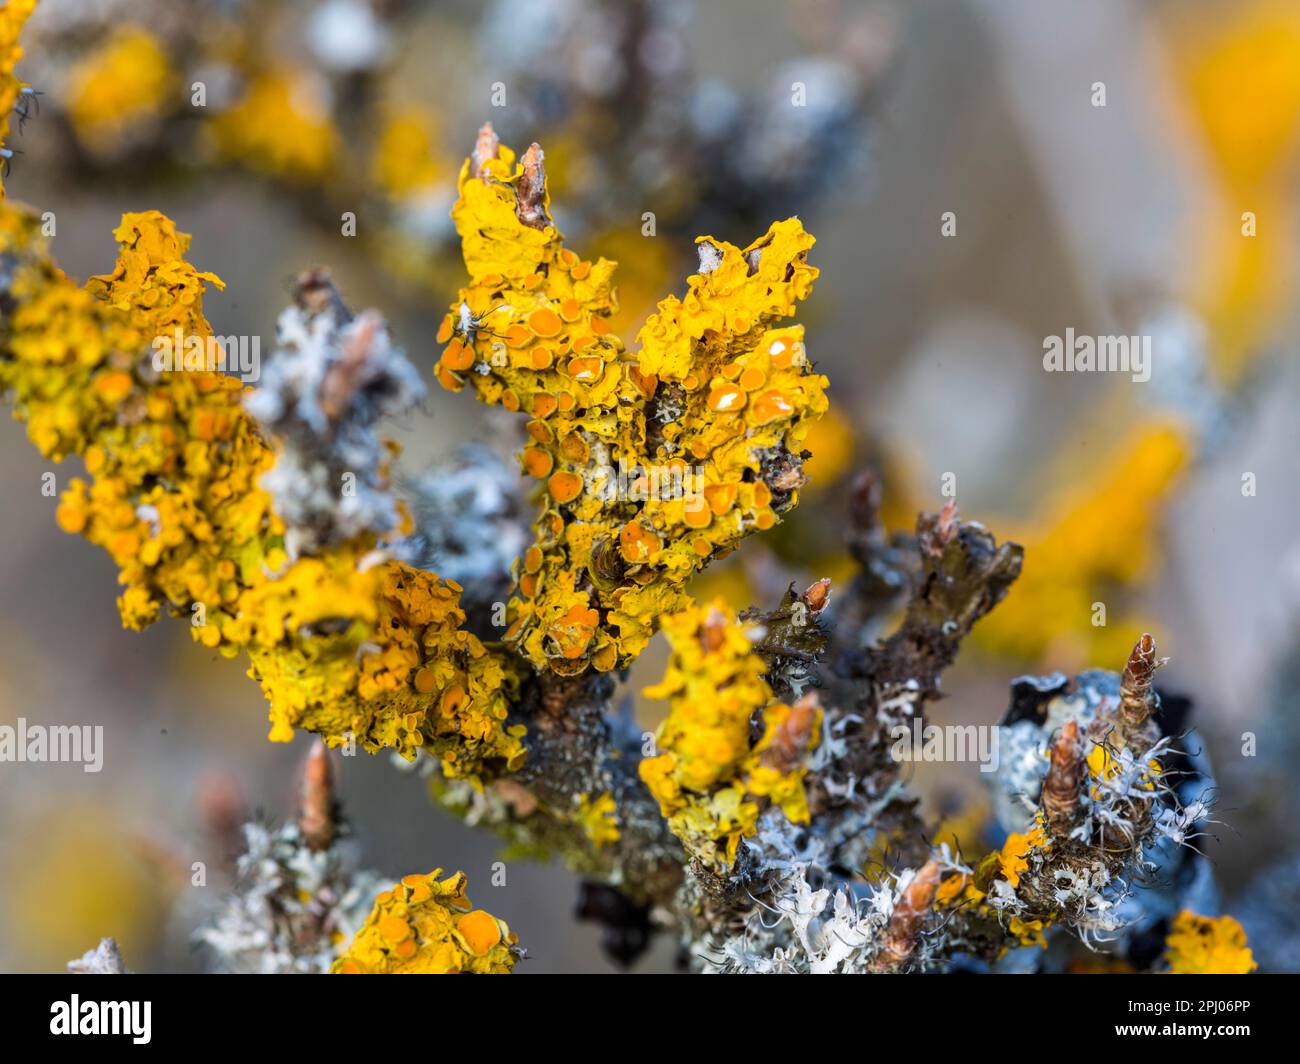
653	463
1016	851
425	926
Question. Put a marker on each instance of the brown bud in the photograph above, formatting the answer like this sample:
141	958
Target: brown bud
936	531
818	596
1065	775
1137	700
865	531
314	292
343	378
792	736
607	561
520	799
948	523
221	806
316	817
713	630
530	191
786	474
909	915
485	147
864	500
133	409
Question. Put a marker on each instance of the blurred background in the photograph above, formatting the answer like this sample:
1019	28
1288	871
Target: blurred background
980	174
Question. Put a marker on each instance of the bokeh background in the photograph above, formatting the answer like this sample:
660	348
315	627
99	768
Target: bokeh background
1122	217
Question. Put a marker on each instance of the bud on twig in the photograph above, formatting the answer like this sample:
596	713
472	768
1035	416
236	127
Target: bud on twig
1137	699
485	148
530	192
317	818
791	739
343	378
909	914
818	596
1060	795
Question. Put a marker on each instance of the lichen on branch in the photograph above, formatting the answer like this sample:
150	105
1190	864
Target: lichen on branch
769	824
347	641
649	464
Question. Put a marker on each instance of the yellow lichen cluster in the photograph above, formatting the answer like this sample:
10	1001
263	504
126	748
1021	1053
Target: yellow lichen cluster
1098	536
366	652
426	926
1205	945
1104	765
649	465
401	675
281	127
1237	67
710	779
406	163
122	82
598	819
1011	862
1013	859
12	17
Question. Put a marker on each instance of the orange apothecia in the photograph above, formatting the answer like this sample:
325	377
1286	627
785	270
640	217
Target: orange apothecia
425	926
650	464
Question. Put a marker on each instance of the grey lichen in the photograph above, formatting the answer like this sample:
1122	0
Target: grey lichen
104	959
470	525
331	378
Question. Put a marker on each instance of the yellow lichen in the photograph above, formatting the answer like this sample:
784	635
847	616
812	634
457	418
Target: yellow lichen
120	84
368	653
1098	535
1103	765
710	780
12	17
406	161
401	675
1014	857
1029	932
598	819
1205	945
649	465
1238	72
426	926
959	890
281	127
